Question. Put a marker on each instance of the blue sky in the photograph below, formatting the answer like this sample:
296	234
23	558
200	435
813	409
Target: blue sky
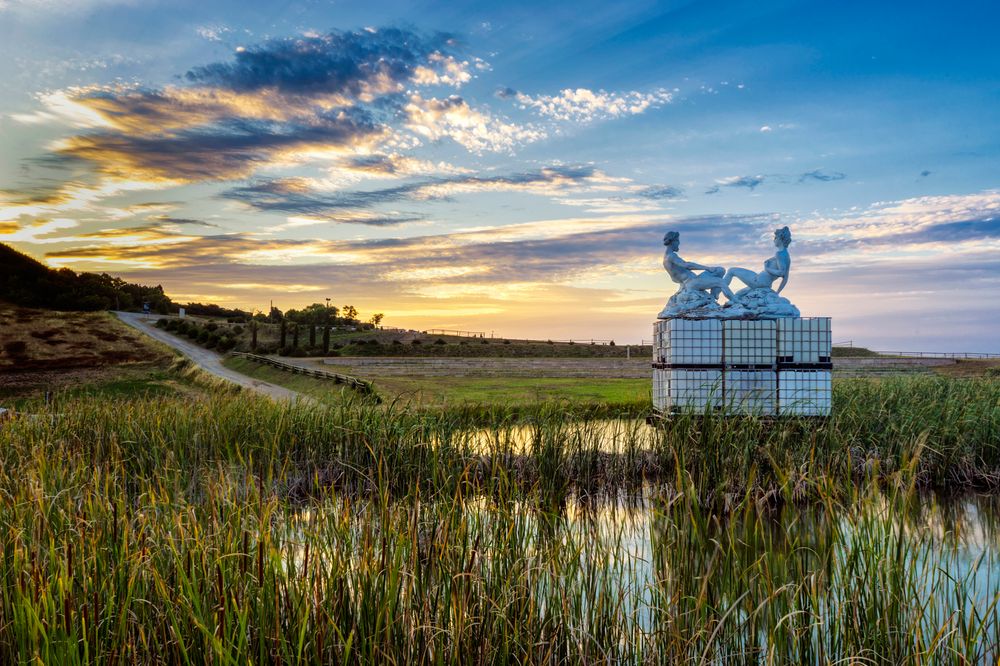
512	167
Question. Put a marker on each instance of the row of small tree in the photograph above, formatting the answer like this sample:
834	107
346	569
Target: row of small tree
319	314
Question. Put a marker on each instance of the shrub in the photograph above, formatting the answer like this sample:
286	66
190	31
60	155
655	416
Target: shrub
506	342
396	342
192	332
162	323
211	326
237	329
203	336
440	341
415	342
484	341
226	344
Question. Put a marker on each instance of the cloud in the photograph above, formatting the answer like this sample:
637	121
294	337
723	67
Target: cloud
301	196
749	182
752	182
476	130
585	105
357	64
821	176
283	101
166	220
541	251
226	149
937	219
661	192
213	33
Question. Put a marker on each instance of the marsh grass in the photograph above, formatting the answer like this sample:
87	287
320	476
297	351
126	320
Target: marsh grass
231	529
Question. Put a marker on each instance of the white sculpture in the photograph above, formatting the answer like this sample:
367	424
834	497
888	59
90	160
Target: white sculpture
698	292
775	267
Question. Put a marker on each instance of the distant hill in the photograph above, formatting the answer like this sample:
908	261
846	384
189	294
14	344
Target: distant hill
29	283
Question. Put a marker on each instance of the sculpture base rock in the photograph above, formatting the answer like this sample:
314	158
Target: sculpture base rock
749	304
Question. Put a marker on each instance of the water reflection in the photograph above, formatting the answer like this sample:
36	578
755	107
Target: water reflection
800	583
604	435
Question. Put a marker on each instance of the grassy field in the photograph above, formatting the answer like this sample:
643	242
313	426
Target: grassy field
225	528
324	391
72	352
628	394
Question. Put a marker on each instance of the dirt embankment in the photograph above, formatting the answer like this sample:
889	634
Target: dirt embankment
52	347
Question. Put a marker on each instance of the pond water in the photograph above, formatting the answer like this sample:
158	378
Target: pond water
606	435
805	583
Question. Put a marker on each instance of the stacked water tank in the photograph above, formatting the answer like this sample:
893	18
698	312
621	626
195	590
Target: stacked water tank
756	366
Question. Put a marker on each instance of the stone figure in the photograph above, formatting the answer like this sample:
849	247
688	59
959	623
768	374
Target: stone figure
697	292
759	298
774	268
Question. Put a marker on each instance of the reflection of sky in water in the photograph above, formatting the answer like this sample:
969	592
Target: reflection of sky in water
644	551
606	435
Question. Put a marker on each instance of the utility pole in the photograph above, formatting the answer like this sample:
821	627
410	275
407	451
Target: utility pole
326	329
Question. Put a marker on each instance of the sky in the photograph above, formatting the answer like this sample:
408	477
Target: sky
512	167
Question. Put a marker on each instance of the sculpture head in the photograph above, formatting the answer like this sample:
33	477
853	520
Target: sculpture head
672	240
782	237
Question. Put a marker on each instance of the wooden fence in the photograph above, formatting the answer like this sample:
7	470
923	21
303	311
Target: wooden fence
367	388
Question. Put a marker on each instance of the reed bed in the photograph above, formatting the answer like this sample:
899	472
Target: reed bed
230	529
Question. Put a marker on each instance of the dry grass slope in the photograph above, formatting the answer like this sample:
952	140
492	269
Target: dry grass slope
52	349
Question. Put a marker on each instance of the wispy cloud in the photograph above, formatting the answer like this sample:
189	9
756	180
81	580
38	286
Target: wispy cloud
821	176
299	196
754	181
585	105
661	192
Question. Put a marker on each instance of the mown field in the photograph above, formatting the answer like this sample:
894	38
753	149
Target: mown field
618	393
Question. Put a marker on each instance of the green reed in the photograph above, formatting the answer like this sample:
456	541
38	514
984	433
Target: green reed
230	529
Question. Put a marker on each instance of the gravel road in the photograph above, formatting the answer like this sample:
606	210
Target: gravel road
206	359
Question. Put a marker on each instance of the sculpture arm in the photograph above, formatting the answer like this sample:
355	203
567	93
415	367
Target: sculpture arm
690	265
784	281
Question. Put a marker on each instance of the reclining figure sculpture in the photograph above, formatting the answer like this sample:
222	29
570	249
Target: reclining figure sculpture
698	292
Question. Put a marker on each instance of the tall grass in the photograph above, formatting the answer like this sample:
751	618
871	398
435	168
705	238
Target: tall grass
230	529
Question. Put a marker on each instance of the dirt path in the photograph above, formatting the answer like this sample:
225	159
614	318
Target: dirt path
206	359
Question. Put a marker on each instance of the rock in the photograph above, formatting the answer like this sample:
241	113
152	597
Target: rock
762	303
691	303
